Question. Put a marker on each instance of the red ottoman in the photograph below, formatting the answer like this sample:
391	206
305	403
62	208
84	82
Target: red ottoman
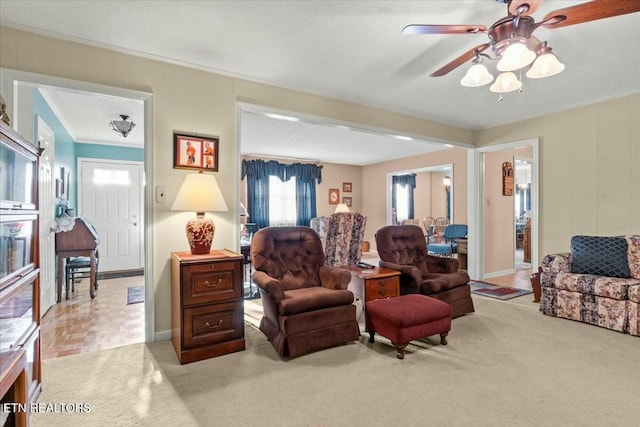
406	318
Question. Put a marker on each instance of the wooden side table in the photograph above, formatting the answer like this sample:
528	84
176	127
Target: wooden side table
373	283
207	307
462	254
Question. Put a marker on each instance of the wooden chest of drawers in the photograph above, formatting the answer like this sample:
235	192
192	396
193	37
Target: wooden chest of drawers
373	283
207	311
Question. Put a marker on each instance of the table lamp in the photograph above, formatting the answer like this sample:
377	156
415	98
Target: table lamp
200	193
342	207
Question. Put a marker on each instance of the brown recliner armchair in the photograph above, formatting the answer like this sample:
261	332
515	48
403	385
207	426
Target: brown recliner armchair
404	248
306	303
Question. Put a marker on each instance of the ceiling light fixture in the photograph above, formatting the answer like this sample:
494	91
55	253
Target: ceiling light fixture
543	63
124	126
477	75
512	41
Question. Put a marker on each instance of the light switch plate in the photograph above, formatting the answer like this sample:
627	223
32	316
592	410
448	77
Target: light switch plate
161	194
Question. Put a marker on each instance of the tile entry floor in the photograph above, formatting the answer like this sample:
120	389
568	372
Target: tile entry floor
80	324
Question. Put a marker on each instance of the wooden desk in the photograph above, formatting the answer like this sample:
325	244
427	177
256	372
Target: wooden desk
373	283
82	240
13	385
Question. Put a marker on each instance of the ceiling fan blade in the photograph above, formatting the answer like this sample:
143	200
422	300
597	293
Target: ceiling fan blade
525	7
590	11
443	29
460	60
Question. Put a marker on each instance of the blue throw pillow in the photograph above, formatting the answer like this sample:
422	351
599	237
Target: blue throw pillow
602	256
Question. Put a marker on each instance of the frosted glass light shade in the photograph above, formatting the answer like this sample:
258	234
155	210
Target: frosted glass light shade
506	82
515	57
477	75
546	65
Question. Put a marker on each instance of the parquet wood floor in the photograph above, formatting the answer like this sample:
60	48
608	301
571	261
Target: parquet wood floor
80	324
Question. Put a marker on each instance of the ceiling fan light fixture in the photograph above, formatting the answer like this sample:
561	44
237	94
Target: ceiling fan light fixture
516	56
506	82
477	75
546	65
124	126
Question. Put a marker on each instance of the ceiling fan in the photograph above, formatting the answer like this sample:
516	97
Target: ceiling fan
514	32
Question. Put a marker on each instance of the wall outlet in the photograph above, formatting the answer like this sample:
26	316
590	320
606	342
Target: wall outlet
161	194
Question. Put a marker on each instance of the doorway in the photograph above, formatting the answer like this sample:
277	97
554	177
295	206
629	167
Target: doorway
433	194
20	87
491	258
110	193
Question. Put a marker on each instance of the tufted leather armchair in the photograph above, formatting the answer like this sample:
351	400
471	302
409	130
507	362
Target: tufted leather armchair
404	248
306	303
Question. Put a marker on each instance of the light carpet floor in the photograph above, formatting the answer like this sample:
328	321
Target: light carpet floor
505	365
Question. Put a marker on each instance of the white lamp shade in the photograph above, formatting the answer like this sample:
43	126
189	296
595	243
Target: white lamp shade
243	210
546	65
200	193
342	207
477	75
515	57
506	82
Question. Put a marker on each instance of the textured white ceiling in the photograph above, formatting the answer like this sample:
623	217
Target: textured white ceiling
352	50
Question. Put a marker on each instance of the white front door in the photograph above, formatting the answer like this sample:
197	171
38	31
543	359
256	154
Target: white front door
47	226
110	198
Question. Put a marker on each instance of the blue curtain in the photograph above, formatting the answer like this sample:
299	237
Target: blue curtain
403	180
258	172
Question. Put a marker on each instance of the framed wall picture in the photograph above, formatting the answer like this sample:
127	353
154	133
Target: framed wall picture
334	196
58	188
195	152
65	177
347	201
507	179
346	187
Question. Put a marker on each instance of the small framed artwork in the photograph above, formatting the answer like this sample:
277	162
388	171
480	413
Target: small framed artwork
334	196
195	152
346	187
58	188
65	177
347	201
507	179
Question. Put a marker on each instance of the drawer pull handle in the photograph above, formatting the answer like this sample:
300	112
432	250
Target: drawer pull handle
382	292
208	325
383	282
213	267
212	285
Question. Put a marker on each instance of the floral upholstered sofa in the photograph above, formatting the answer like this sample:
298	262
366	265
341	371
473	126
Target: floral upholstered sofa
598	282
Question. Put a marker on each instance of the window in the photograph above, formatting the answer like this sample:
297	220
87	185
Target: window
402	202
282	202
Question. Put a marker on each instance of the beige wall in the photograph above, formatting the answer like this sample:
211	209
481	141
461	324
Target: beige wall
197	101
499	217
589	174
429	195
374	178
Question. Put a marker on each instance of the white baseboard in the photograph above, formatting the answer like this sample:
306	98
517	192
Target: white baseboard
162	335
499	273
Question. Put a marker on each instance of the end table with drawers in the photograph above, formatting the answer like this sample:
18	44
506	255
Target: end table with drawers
373	283
207	311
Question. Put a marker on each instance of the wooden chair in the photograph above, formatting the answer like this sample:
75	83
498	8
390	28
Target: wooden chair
438	232
429	224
